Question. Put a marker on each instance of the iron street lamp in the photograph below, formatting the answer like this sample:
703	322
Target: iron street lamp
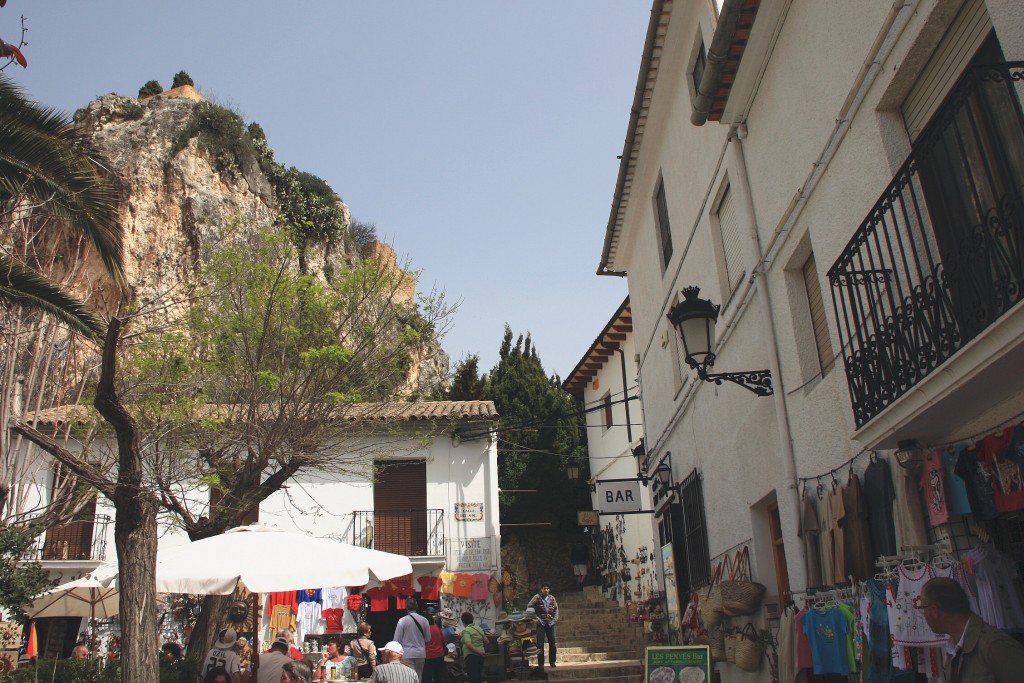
664	475
573	472
695	320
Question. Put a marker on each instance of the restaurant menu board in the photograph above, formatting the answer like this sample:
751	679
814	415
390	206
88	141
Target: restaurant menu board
677	664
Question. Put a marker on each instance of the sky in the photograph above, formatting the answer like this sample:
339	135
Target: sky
481	137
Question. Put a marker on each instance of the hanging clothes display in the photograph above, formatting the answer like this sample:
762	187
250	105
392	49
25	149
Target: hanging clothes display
994	452
979	481
828	632
879	494
837	515
995	578
787	666
910	530
906	619
956	487
933	483
856	535
809	534
828	556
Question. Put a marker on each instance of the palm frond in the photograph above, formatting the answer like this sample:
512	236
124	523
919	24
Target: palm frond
43	156
22	286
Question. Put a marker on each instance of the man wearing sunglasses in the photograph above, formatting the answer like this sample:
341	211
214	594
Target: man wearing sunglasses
978	652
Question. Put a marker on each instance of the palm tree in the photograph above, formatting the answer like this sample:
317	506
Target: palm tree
46	160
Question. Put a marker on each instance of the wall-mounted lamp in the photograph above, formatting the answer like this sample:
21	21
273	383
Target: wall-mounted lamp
573	472
695	320
664	475
909	455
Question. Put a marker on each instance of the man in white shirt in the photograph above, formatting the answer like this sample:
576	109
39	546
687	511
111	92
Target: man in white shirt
222	654
413	632
272	662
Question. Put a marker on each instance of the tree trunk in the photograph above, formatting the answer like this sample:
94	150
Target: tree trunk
135	530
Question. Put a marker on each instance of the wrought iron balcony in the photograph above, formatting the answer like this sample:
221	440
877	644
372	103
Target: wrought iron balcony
79	540
940	256
414	533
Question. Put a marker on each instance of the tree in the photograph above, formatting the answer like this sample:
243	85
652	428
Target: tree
467	383
49	165
269	371
150	88
181	78
542	431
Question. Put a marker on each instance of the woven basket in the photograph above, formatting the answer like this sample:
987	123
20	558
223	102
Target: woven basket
740	595
748	649
716	643
730	646
711	604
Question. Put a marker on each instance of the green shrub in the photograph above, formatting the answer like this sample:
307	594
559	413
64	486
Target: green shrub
221	134
182	78
93	671
151	88
132	110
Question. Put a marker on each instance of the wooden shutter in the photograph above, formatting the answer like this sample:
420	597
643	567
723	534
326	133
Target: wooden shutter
732	244
819	323
73	540
400	507
966	33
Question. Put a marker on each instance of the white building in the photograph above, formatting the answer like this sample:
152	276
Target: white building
427	489
843	181
605	379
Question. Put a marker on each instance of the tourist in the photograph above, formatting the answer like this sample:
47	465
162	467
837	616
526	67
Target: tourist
413	632
272	662
977	652
546	608
217	675
296	672
222	654
434	668
335	664
473	648
579	558
80	652
364	650
392	668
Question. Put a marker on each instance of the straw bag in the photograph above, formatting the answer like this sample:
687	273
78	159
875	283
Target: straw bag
711	606
740	594
748	649
716	643
730	645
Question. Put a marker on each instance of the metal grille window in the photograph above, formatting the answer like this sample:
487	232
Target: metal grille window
664	228
695	532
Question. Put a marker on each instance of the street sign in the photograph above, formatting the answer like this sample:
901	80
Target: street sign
618	496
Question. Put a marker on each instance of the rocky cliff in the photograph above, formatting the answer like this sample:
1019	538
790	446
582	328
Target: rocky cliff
190	171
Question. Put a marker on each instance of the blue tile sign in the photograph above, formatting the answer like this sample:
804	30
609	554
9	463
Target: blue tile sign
677	664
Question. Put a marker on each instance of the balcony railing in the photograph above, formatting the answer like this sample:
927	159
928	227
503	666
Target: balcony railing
940	256
405	532
75	541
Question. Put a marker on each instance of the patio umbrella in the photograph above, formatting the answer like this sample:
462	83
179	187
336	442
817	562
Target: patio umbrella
268	560
89	597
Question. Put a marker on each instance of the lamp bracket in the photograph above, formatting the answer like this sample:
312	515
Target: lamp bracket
757	381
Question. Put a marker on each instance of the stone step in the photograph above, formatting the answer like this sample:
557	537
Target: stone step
603	670
574	658
574	646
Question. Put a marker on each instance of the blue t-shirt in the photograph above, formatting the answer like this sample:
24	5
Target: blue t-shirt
956	487
827	632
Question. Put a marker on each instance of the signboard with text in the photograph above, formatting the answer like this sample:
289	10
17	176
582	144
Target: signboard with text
618	496
683	663
470	554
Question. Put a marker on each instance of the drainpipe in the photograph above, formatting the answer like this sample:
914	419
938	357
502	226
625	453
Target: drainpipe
718	52
759	277
625	397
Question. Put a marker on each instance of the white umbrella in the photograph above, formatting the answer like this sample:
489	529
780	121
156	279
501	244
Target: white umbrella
268	560
88	596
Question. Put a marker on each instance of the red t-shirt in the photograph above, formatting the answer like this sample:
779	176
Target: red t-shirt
354	602
400	587
333	617
378	599
283	598
933	481
429	587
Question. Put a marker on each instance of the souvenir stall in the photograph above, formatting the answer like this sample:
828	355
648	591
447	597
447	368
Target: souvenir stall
874	536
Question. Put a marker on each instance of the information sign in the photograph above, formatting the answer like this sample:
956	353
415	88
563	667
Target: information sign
618	496
470	553
682	663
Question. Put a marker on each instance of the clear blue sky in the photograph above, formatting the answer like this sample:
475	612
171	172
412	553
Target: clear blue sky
480	136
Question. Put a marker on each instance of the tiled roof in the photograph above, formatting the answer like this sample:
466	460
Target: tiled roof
419	411
610	339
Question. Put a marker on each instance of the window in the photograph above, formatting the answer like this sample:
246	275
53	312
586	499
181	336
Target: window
778	549
819	324
699	63
689	534
664	229
730	242
400	514
606	413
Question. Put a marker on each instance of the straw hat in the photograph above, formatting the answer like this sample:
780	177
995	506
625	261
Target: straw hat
226	639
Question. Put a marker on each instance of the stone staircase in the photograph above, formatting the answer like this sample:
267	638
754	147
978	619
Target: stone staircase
595	642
